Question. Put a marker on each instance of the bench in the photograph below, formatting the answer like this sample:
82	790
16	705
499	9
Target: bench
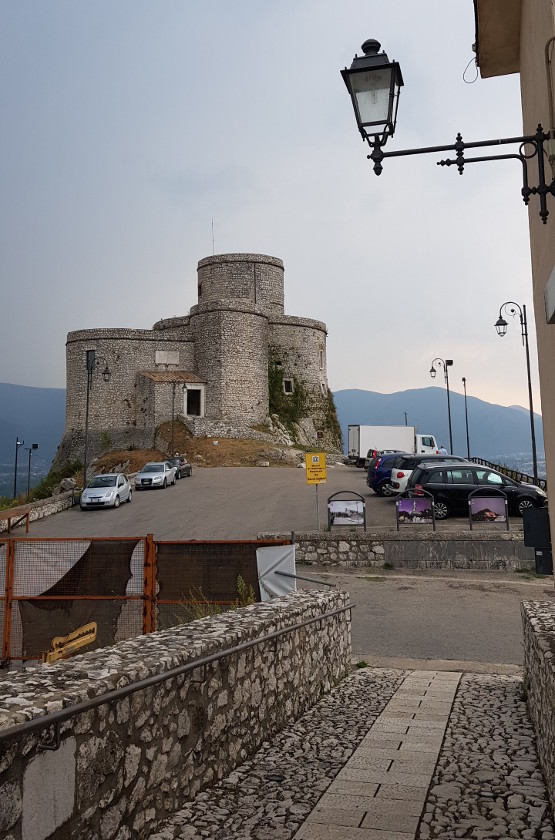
14	516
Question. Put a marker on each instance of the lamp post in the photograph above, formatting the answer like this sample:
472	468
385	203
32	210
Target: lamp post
511	308
93	361
374	84
445	364
18	443
466	419
30	449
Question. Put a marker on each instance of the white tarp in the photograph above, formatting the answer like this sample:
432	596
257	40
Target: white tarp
278	558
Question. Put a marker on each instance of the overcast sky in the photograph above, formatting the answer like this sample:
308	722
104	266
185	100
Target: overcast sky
129	127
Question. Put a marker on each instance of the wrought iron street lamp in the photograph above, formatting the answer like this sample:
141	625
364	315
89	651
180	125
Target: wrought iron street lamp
18	443
93	362
445	364
30	449
466	419
511	308
374	83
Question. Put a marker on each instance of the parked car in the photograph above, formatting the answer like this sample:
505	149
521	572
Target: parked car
155	474
182	466
401	469
379	474
374	453
107	490
451	484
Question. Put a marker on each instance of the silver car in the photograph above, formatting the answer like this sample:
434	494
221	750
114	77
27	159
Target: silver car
155	474
107	490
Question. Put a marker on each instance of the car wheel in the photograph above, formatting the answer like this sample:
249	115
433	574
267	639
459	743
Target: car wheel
385	489
441	510
116	502
164	485
524	504
130	496
190	472
82	508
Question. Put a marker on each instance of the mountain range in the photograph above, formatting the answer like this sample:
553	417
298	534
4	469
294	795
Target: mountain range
497	433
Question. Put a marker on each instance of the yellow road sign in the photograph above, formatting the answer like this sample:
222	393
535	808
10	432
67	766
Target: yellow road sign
315	467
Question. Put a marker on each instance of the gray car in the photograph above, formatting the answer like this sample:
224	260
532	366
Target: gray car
107	490
155	474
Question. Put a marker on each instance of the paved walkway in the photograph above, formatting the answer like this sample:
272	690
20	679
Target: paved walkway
388	755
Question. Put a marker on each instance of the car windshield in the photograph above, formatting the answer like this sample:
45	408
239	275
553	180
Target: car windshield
103	481
153	468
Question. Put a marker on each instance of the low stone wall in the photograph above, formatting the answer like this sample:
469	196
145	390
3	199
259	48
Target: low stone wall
46	507
123	766
412	550
538	618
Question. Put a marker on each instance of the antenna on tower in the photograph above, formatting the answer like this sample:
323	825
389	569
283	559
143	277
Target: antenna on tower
213	251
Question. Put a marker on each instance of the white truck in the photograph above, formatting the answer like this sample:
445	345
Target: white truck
365	441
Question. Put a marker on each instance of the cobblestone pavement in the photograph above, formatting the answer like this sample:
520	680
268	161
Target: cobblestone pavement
387	755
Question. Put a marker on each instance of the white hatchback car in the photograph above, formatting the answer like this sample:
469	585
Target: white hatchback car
155	474
107	490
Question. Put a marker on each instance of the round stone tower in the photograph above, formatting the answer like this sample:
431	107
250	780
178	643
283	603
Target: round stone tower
256	278
237	293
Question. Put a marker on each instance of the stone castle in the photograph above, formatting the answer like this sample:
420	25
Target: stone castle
213	369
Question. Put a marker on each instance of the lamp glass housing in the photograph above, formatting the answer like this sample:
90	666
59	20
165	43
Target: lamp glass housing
501	326
374	93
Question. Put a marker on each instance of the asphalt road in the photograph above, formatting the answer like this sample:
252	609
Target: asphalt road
412	619
229	503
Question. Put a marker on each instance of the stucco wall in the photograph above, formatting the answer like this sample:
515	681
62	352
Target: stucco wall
124	766
537	25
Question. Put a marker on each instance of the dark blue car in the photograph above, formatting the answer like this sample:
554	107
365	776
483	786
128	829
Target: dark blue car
379	474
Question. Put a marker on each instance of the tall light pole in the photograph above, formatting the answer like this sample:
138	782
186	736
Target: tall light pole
93	362
445	364
511	308
18	443
30	449
466	419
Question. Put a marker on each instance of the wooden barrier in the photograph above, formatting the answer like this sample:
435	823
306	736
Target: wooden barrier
18	514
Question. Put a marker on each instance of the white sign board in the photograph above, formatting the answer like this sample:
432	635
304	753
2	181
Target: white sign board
278	558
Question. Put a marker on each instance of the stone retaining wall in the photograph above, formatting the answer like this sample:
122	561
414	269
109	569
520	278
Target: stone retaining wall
38	510
122	767
538	618
413	549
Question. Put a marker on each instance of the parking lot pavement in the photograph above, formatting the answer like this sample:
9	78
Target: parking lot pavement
232	503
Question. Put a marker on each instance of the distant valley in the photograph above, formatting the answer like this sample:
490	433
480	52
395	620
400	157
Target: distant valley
497	433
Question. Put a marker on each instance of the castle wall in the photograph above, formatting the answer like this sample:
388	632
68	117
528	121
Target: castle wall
119	410
231	357
248	277
226	341
299	344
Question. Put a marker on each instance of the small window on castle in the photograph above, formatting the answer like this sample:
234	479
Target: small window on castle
278	364
288	386
324	389
321	359
200	290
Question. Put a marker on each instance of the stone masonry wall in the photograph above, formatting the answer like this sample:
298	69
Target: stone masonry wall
538	618
412	550
249	277
300	345
122	767
231	356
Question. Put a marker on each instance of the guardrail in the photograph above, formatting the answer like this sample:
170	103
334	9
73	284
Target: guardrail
516	475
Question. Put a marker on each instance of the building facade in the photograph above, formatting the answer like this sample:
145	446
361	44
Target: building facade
211	368
518	36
